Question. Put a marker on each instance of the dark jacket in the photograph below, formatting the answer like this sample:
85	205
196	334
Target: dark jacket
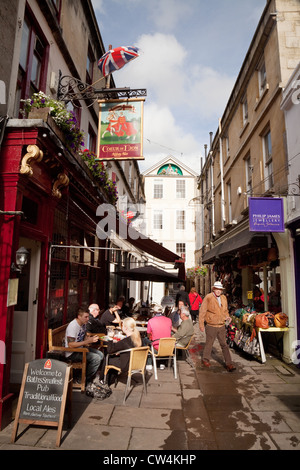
94	325
121	360
184	296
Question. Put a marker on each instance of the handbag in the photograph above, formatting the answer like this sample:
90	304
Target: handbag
270	318
252	347
281	320
261	321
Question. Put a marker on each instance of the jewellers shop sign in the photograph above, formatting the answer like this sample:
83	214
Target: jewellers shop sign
266	214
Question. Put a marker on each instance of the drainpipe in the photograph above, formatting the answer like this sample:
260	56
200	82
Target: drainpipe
222	179
212	185
212	194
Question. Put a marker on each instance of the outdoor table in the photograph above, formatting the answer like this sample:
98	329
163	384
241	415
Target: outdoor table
271	329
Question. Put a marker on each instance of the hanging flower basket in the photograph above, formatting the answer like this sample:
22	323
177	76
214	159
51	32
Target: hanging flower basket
39	106
196	271
100	174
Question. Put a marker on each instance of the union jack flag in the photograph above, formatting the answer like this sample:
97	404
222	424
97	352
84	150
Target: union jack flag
116	58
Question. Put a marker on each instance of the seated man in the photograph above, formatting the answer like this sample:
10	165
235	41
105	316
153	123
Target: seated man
76	338
185	330
158	326
110	318
94	325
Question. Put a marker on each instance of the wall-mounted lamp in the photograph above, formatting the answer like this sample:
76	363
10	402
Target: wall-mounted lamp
22	256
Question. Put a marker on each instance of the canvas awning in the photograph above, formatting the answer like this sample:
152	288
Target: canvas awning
239	241
149	273
143	243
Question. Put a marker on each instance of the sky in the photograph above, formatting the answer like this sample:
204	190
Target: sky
191	52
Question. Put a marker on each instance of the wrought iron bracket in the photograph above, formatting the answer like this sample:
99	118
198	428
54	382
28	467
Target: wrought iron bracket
73	89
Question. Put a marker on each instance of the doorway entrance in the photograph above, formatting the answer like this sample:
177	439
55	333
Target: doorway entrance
25	312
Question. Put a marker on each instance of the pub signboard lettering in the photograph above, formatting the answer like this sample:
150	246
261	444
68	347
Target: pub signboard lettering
42	399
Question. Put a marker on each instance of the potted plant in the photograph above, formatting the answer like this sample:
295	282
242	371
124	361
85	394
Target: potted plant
41	105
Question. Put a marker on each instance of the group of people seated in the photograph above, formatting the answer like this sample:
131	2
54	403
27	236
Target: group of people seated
81	333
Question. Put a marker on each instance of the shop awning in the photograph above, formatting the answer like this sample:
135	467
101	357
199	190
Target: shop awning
143	243
211	255
239	241
149	273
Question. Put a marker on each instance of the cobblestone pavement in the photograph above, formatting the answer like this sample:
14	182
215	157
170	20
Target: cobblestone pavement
256	407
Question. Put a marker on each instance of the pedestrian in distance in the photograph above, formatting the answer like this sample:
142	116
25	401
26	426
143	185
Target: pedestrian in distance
213	314
184	296
195	301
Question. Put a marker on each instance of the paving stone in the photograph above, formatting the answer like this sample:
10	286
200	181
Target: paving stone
287	441
244	441
152	418
97	437
158	440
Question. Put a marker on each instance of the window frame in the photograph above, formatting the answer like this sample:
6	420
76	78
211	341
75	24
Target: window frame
180	192
268	160
158	220
158	189
180	219
24	81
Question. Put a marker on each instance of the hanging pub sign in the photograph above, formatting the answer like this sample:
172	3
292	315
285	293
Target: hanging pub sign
120	132
266	214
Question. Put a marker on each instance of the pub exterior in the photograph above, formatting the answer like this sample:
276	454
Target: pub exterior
53	257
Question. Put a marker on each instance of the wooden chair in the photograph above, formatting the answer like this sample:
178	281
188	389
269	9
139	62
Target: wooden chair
55	343
187	353
137	364
166	350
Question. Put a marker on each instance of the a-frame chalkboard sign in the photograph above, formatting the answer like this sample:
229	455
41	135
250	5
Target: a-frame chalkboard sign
46	388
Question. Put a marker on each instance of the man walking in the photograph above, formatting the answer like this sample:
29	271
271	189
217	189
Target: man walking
214	312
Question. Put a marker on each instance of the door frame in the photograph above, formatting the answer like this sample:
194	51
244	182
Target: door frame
29	352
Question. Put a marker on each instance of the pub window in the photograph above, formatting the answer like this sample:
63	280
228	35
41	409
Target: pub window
90	62
57	294
30	209
91	139
33	62
60	235
57	7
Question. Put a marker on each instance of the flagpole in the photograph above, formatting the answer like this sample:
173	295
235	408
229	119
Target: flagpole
108	77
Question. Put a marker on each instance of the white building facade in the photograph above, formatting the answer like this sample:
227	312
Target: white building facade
171	215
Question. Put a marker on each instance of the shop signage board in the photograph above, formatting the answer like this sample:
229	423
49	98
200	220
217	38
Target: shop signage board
120	132
45	388
266	214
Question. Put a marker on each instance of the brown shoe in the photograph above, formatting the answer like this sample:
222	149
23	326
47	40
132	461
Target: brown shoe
206	363
230	367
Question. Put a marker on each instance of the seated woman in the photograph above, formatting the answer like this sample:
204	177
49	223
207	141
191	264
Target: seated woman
132	340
